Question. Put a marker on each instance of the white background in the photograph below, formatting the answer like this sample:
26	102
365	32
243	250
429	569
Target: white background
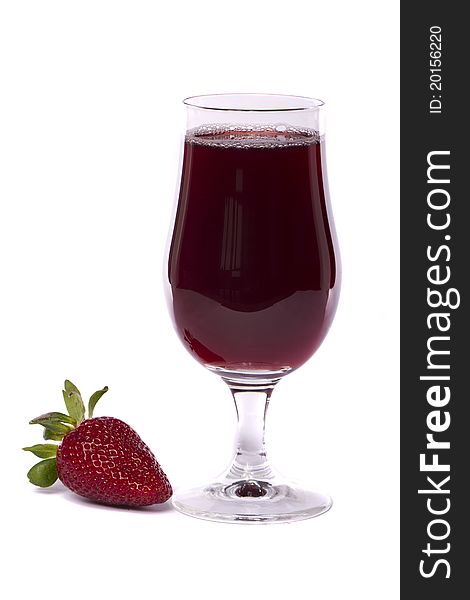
90	125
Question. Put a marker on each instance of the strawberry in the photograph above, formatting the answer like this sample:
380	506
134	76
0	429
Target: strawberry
101	458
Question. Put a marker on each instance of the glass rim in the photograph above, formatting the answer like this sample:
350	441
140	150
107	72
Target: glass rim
273	102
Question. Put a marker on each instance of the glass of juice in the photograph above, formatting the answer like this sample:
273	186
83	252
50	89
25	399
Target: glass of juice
254	277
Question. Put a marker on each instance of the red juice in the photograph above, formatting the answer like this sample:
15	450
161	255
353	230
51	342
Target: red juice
253	271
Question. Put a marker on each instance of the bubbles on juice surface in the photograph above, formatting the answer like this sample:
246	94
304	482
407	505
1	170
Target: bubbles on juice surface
262	136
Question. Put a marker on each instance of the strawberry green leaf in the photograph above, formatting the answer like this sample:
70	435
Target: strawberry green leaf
52	423
70	387
58	428
73	402
44	473
53	417
43	450
49	435
94	399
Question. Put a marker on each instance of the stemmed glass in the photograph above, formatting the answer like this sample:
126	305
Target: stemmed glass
253	276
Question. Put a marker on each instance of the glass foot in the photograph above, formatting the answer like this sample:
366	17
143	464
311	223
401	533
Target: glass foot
251	501
251	491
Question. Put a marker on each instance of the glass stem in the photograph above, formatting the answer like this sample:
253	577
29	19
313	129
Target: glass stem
250	461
